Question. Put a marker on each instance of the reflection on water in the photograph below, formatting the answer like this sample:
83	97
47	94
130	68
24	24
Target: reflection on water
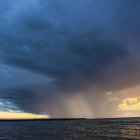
71	129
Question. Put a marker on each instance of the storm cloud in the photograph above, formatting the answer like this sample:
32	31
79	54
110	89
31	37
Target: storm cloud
57	54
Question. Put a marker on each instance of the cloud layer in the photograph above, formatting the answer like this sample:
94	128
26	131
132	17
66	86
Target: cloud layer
56	56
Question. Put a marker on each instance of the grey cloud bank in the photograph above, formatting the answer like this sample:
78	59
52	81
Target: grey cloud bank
55	55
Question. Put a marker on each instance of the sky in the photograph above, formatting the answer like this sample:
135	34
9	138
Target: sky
77	58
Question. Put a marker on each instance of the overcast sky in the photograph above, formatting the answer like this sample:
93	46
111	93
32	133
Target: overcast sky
70	58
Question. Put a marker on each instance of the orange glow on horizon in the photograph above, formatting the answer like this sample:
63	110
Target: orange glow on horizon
21	115
128	114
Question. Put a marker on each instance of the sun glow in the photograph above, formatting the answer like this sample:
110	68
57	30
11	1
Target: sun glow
20	115
130	104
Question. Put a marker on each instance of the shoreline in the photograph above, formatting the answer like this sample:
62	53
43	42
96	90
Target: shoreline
52	119
63	119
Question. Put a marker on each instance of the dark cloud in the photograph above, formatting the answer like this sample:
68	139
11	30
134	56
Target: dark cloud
60	49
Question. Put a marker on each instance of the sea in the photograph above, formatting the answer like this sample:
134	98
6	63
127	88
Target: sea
71	129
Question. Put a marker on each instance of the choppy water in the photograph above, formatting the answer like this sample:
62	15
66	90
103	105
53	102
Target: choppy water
104	129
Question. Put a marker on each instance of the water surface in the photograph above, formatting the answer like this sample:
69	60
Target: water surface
102	129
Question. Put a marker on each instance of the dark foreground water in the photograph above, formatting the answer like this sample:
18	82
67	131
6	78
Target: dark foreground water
71	129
